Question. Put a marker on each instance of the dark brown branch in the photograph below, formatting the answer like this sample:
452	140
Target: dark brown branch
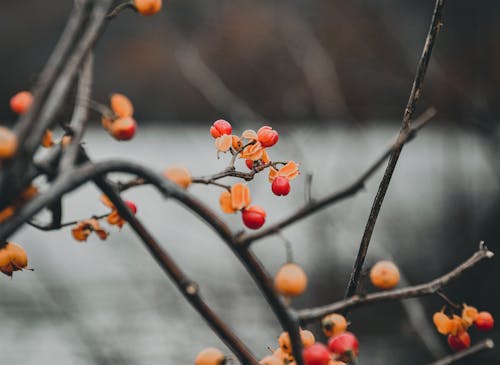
316	205
52	227
88	171
487	344
186	286
416	90
431	287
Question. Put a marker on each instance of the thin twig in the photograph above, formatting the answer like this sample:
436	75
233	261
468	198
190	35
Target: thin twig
344	193
431	287
487	344
415	93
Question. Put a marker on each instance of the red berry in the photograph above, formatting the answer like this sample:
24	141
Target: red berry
254	217
280	186
131	206
345	346
249	163
220	127
316	354
21	102
484	321
460	341
267	136
123	129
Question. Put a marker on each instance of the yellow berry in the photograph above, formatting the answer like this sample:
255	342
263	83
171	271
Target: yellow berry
291	280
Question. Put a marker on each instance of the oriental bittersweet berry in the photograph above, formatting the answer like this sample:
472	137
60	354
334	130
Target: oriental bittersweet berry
253	217
8	143
21	102
280	186
460	341
179	175
210	356
123	129
307	338
121	105
384	275
290	280
12	258
147	7
345	346
333	324
267	136
484	321
316	354
220	128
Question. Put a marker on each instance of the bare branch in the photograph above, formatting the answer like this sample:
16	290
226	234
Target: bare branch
313	314
436	23
316	205
487	344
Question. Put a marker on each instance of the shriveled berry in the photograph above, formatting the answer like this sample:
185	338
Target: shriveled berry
333	324
147	7
21	102
210	356
443	323
484	321
460	341
290	280
384	275
253	217
316	354
280	186
469	314
123	129
267	136
345	346
221	127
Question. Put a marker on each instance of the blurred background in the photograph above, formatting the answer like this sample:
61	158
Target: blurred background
333	77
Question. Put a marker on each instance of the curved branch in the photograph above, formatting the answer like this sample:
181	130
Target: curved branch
431	287
393	159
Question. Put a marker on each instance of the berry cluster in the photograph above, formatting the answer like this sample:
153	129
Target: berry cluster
252	147
456	327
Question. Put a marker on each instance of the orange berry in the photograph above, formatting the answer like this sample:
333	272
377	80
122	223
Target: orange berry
4	256
210	356
12	258
384	275
123	129
469	314
8	143
21	102
333	324
285	343
6	213
148	7
271	360
253	152
307	338
179	175
291	280
121	105
443	323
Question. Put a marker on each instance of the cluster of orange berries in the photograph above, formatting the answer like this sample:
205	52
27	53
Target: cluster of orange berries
456	327
252	147
12	258
83	229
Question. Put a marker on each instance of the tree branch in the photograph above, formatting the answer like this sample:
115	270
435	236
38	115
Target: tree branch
436	23
431	287
316	205
487	344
